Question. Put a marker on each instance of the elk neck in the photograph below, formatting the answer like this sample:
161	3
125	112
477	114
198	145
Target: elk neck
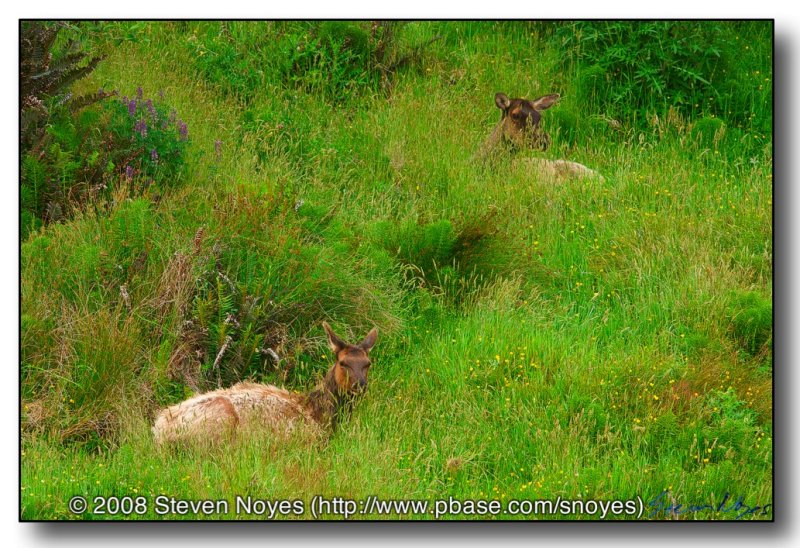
327	401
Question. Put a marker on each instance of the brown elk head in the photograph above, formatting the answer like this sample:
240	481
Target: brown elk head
352	361
520	120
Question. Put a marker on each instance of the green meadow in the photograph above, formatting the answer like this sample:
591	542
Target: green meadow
539	339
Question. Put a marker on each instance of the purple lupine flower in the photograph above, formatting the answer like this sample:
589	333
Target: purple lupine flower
129	172
172	116
132	108
161	94
125	100
150	108
154	155
183	130
218	148
139	93
141	128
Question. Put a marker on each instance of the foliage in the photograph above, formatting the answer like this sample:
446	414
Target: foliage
425	247
628	69
335	60
261	291
708	131
446	258
45	76
75	150
750	316
85	155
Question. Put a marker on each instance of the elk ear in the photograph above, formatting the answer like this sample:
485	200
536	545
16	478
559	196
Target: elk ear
334	341
546	102
369	340
502	101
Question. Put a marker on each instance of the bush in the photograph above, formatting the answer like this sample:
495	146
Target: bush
332	58
228	56
425	247
268	280
261	306
335	60
84	155
731	425
628	69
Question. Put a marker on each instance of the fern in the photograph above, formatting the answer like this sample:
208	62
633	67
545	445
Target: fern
45	78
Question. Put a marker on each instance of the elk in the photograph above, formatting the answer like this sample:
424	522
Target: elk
261	406
519	128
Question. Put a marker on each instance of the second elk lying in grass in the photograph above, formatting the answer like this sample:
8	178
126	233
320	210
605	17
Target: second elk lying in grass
519	128
266	407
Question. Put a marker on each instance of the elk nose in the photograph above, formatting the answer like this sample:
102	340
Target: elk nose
362	384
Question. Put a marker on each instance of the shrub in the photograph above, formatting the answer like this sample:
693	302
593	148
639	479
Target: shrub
639	66
262	290
131	229
264	320
235	61
335	60
153	140
628	69
84	155
730	426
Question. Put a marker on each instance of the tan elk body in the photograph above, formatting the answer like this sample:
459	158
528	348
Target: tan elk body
266	407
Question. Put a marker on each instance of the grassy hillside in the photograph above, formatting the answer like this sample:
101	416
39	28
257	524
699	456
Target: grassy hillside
583	339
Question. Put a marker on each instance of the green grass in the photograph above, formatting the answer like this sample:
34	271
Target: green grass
583	339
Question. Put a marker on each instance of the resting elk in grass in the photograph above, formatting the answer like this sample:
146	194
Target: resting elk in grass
519	128
267	407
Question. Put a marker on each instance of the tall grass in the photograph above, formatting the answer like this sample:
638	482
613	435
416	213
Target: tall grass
583	339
